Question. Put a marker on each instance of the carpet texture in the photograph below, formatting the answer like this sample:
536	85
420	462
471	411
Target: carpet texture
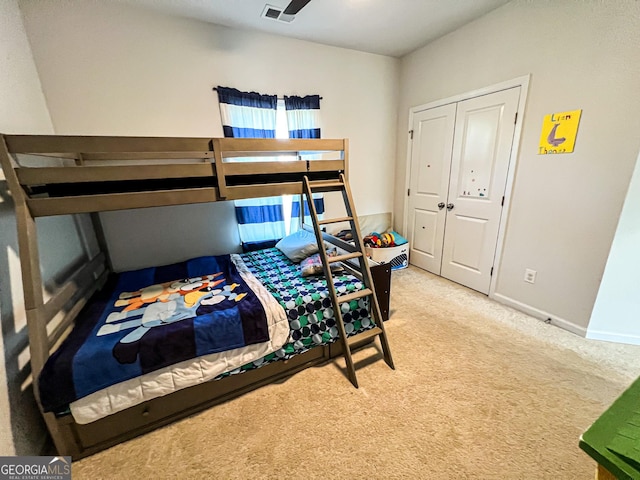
480	391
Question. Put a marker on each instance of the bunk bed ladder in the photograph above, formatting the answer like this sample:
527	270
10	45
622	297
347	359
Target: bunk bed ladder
355	252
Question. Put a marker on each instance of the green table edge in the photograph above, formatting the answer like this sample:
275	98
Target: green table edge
594	441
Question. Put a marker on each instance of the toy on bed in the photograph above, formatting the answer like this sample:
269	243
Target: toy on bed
302	247
312	265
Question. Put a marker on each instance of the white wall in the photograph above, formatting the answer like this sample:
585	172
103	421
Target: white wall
616	313
112	69
564	208
22	110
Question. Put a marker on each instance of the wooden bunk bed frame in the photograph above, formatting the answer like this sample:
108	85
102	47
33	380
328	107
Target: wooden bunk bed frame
81	186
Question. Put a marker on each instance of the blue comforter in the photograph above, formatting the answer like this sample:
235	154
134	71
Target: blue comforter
152	318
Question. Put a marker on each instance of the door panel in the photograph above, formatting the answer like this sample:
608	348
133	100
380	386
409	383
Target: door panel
478	152
430	167
434	154
466	251
479	167
425	227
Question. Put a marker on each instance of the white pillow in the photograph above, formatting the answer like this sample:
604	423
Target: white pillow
298	246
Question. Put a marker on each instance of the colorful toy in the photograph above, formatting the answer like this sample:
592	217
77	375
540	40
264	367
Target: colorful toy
380	240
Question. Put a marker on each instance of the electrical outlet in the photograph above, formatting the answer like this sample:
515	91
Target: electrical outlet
530	275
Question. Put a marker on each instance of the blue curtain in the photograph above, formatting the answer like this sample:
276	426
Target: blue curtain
303	119
253	115
303	116
247	114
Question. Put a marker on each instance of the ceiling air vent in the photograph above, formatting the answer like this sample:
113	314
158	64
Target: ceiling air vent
275	13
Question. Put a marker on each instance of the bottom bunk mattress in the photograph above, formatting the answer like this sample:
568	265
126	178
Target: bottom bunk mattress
149	335
305	304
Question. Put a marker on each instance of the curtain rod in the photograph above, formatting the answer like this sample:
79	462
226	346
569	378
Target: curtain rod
279	98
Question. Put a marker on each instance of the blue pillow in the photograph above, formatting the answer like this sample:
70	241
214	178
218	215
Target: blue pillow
298	245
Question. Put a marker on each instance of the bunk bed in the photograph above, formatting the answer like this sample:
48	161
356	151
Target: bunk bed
60	175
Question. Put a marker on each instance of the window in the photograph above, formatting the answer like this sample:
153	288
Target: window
255	115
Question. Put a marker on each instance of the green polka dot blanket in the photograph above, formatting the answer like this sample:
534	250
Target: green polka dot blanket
307	302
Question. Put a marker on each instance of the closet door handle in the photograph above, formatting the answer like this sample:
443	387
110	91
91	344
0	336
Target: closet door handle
450	206
441	205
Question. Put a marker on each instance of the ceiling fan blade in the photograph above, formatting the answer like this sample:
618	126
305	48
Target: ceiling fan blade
295	6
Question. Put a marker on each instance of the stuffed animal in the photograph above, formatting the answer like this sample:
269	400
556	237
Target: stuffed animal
380	240
387	240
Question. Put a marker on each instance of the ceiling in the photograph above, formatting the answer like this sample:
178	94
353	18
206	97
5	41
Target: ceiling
386	27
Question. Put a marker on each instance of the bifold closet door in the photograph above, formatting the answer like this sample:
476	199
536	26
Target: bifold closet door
460	158
480	162
430	165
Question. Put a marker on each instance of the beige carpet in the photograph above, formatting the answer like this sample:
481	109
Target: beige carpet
480	392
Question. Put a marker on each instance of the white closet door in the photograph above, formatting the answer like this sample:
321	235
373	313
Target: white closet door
479	167
430	164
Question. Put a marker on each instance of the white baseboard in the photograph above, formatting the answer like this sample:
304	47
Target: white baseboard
541	314
613	337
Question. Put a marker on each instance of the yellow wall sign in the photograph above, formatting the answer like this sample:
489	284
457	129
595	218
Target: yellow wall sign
559	132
